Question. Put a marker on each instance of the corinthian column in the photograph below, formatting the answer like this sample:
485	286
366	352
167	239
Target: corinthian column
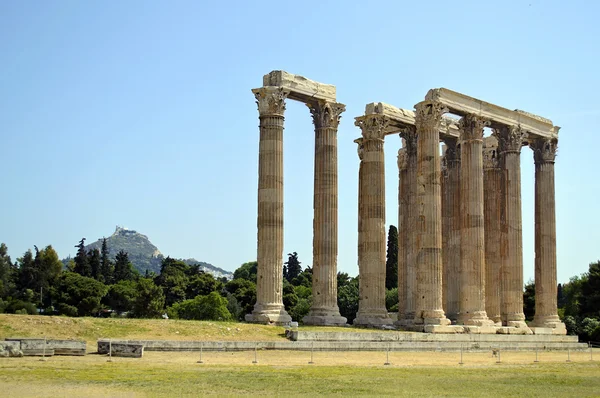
451	226
402	233
472	254
269	304
324	310
492	205
429	227
546	315
371	262
410	216
510	140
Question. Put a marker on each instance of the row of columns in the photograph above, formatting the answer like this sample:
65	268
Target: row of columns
269	306
474	275
460	256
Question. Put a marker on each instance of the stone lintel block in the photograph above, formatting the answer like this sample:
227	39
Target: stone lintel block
461	104
443	329
402	118
301	89
127	350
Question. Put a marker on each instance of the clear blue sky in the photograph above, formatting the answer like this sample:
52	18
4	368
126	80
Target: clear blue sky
140	113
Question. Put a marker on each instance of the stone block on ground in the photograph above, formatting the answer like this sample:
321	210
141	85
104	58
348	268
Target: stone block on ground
121	349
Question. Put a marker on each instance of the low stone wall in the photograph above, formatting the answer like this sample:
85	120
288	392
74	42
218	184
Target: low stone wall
423	345
129	349
49	347
10	349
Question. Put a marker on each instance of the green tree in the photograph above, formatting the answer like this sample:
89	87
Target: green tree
529	300
95	264
391	300
106	266
590	289
343	279
348	300
150	300
211	307
123	268
244	292
292	267
201	284
48	268
27	272
391	264
173	279
247	271
77	295
573	295
7	273
121	296
82	267
304	278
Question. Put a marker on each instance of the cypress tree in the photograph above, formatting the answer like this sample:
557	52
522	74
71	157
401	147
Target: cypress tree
391	264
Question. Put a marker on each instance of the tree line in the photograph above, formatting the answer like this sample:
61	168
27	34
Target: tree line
92	284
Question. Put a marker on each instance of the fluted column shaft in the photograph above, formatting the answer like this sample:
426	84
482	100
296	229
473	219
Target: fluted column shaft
402	232
492	183
546	314
371	307
510	139
269	304
472	253
429	228
324	309
451	227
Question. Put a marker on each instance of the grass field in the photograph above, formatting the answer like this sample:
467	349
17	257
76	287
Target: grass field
286	373
415	374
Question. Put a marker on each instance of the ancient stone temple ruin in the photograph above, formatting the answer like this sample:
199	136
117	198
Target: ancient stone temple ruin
460	260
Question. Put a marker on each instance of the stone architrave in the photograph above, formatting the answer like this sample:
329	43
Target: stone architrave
372	239
546	315
402	232
472	253
510	141
324	310
492	205
429	226
451	226
269	307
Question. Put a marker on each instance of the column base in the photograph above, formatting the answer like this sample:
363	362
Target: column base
375	318
550	322
478	318
431	317
324	317
269	314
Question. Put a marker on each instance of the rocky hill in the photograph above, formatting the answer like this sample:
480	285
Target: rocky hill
144	255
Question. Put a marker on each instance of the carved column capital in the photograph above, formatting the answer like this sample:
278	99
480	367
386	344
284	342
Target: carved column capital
410	138
471	127
270	100
372	126
361	147
510	138
451	156
490	153
429	114
544	150
326	114
402	159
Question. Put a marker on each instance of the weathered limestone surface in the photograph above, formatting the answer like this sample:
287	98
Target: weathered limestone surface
451	226
546	315
10	349
35	346
492	210
269	301
324	311
498	116
402	232
401	118
510	139
300	88
372	239
472	254
121	348
429	229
